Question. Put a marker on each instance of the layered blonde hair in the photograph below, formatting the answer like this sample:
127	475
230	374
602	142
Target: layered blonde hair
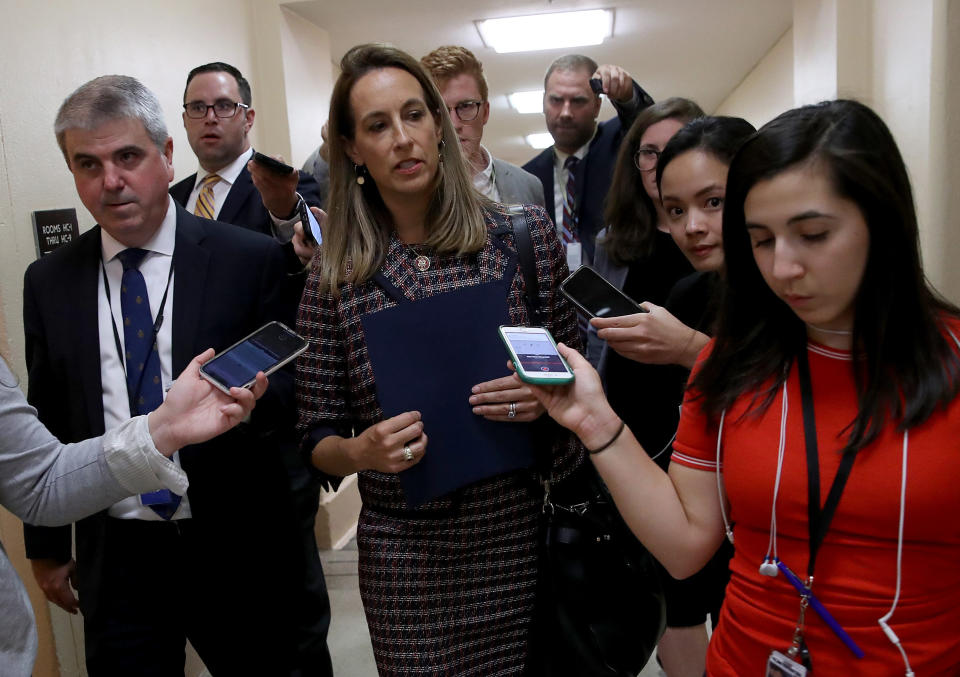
357	231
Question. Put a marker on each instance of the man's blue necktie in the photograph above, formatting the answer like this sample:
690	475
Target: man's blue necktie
144	387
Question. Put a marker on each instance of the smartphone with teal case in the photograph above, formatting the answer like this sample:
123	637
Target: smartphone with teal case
535	356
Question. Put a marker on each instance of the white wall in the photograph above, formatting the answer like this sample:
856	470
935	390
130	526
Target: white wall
53	46
767	90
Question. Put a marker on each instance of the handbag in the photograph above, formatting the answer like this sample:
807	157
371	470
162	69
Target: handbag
599	608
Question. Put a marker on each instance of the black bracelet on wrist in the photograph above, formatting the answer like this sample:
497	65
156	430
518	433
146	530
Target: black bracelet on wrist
609	444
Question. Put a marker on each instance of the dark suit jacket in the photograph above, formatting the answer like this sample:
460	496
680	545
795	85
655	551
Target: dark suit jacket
226	284
244	206
593	179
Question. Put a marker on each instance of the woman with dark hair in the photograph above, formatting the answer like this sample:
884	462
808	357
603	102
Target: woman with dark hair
402	304
635	254
634	251
691	176
824	414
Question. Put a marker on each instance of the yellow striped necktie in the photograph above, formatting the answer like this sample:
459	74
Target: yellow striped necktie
205	203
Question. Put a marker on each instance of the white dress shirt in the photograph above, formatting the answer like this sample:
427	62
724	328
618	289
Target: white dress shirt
228	175
282	228
486	181
116	406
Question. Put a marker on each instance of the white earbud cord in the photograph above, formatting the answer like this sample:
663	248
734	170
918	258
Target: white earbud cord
769	567
891	635
720	492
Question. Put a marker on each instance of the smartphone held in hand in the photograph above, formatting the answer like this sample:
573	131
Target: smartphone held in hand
272	164
535	356
595	297
266	350
311	227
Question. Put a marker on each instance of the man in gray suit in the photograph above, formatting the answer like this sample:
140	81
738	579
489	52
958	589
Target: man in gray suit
459	76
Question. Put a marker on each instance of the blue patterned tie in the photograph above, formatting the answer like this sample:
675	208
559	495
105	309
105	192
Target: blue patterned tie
144	388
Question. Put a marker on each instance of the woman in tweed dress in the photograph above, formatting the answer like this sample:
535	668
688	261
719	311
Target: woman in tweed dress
448	586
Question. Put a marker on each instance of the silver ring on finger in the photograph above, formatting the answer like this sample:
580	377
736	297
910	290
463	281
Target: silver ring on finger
513	410
407	453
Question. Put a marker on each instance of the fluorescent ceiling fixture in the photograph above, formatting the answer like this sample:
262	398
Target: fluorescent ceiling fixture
540	140
527	102
546	31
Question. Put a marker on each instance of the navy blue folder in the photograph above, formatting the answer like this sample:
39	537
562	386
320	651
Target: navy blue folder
426	357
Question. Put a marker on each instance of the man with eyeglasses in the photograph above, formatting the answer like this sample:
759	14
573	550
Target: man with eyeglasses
459	76
230	187
576	171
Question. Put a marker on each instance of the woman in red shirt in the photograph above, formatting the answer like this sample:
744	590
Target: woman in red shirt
828	401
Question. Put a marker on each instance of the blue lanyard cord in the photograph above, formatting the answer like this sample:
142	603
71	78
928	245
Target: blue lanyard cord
821	610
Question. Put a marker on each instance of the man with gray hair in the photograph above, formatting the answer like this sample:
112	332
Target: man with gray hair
576	171
110	320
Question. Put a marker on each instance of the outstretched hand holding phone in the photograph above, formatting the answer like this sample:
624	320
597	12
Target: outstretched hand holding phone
580	406
277	186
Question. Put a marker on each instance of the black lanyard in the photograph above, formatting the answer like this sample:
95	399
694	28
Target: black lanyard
134	396
818	519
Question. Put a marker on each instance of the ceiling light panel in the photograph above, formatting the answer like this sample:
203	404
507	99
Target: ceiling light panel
546	31
527	102
538	141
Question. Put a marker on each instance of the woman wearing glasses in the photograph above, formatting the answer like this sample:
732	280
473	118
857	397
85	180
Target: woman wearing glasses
415	268
636	253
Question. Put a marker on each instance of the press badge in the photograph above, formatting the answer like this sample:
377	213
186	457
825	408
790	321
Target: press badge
574	255
781	665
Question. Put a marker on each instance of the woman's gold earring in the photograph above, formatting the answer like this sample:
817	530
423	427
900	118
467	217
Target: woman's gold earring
359	171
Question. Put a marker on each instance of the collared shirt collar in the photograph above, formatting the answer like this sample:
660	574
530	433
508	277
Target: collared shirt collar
162	242
484	181
229	173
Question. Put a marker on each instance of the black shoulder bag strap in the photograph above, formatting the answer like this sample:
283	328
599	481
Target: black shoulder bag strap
528	267
528	263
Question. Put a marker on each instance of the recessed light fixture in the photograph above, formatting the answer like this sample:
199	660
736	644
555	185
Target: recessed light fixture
540	140
527	102
546	31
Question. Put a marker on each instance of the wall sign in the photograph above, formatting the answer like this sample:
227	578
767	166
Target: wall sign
53	228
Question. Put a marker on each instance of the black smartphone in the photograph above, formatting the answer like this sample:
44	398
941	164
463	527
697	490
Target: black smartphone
271	164
267	349
311	228
596	84
594	296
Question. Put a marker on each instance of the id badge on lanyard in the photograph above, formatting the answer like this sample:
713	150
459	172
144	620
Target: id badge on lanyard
795	661
574	254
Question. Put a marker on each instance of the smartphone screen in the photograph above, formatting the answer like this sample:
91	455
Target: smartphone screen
266	350
311	228
536	353
595	296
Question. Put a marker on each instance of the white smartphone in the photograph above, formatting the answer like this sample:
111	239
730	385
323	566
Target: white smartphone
535	356
267	349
